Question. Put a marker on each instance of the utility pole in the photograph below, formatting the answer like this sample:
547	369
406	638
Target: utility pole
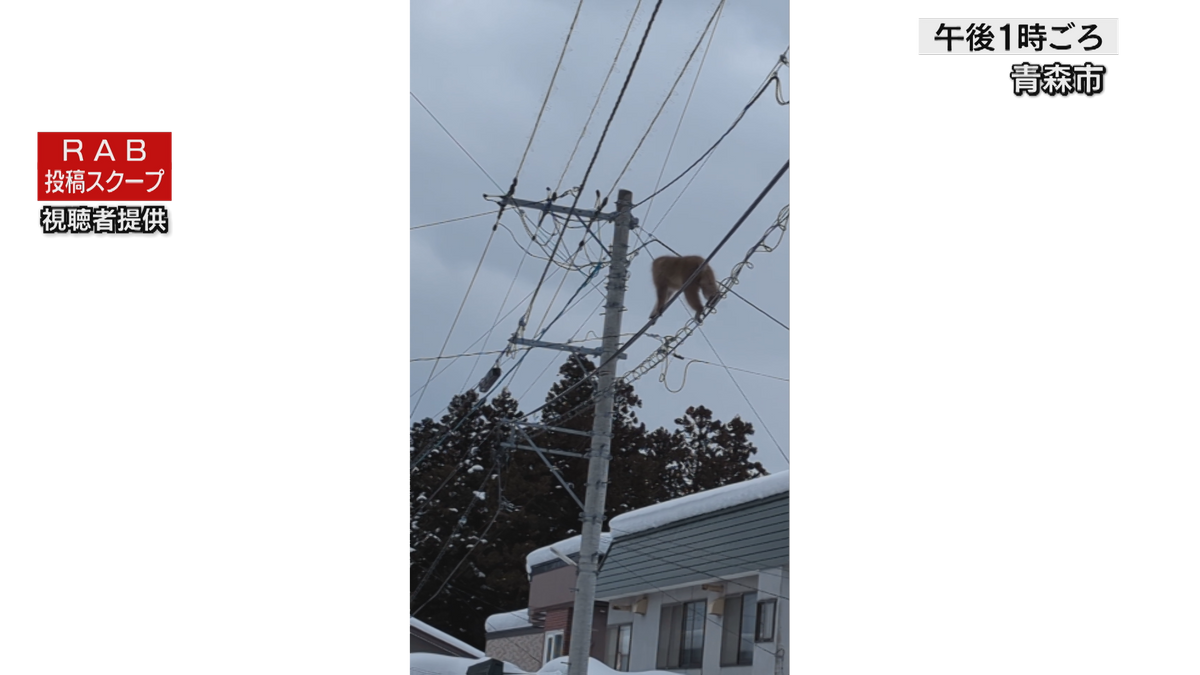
600	453
597	481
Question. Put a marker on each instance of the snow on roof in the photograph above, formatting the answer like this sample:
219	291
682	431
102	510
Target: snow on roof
559	667
566	547
422	663
700	503
507	621
449	639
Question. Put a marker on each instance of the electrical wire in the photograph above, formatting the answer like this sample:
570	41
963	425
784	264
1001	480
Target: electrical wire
686	105
667	98
455	322
603	86
642	331
460	145
549	89
471	549
706	153
452	220
747	399
600	144
760	309
450	538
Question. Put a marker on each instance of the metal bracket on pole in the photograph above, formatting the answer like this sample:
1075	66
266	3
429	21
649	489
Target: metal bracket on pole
548	428
587	351
553	470
543	205
564	453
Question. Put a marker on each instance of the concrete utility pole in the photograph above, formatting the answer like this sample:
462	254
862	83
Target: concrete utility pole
597	482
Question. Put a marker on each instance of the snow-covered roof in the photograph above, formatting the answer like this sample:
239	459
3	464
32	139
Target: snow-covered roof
440	664
566	547
420	663
559	667
700	503
448	639
507	621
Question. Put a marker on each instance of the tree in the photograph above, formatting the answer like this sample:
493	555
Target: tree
710	454
478	508
455	502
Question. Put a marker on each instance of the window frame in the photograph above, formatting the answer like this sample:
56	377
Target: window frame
758	620
737	644
549	641
673	639
684	647
620	660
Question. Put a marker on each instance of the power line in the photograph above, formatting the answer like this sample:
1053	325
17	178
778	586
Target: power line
579	192
642	331
670	92
562	235
450	538
501	351
460	145
690	362
471	549
452	220
741	115
456	317
603	86
686	104
747	399
760	309
549	89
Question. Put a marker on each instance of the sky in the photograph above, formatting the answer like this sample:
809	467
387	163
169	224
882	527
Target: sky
483	70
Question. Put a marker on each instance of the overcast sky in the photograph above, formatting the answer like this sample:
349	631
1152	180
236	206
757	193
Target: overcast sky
483	69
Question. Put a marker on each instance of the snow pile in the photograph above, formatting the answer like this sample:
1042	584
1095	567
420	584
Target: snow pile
566	547
559	667
448	639
700	503
422	663
507	621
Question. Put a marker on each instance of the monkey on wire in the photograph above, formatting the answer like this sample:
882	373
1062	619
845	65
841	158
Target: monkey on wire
671	272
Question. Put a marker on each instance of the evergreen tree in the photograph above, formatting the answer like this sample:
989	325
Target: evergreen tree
455	505
478	508
710	454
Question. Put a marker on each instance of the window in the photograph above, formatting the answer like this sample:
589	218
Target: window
681	635
766	621
554	646
738	630
616	648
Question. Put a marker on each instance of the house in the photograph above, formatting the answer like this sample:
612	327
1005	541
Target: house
512	637
552	575
423	638
700	583
541	633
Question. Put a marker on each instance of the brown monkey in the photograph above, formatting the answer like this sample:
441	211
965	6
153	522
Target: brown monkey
672	272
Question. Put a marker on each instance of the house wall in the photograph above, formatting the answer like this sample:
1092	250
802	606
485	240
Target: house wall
645	643
552	587
524	649
558	619
724	543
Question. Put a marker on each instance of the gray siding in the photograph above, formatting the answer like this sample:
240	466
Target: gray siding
745	538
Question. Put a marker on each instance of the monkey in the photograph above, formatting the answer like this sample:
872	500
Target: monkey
671	272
